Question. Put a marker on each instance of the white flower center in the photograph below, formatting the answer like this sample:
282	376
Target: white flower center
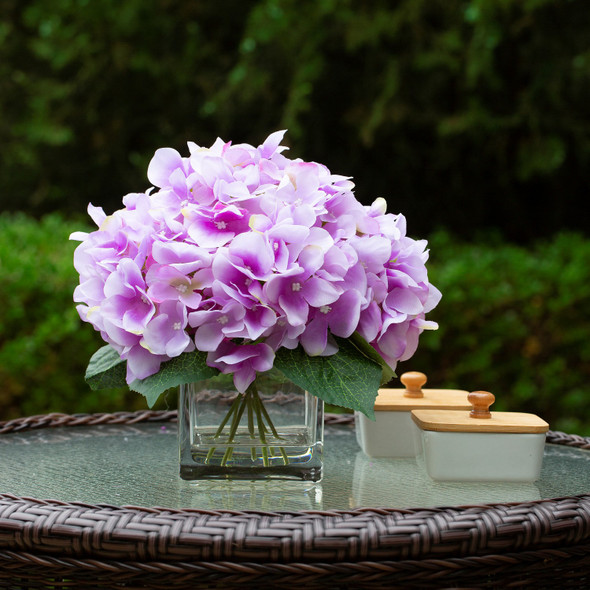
182	288
223	320
296	287
177	326
325	309
220	224
144	299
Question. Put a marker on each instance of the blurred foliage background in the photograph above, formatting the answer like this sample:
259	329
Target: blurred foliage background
472	117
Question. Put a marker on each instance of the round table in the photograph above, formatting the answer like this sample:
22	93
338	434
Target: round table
96	501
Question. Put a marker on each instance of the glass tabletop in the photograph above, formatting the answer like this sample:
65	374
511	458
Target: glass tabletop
137	465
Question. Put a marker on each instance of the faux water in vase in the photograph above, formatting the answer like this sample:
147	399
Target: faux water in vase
272	431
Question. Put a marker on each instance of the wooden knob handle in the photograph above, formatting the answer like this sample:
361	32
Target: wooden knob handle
413	380
481	402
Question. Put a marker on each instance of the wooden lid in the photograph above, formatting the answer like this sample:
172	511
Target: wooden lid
413	396
479	419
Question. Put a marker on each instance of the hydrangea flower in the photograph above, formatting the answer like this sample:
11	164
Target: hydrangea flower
237	251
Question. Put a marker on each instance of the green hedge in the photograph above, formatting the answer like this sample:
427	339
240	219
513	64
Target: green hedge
44	348
513	321
464	113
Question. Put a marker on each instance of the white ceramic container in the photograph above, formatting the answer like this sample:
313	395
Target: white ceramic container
480	445
391	434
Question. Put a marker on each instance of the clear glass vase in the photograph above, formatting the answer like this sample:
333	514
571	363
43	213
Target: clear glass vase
273	431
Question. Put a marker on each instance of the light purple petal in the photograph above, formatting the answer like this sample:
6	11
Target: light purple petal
165	333
141	363
282	283
264	359
311	258
345	314
91	290
124	280
161	166
255	253
289	233
258	319
393	343
295	308
271	144
373	251
137	314
239	355
404	301
178	183
434	297
412	336
370	322
243	377
208	337
315	337
118	335
318	292
96	214
206	236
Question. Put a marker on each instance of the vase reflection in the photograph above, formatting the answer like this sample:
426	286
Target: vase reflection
251	495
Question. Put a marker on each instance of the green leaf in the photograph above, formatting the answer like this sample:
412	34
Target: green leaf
106	369
350	378
186	368
347	378
387	373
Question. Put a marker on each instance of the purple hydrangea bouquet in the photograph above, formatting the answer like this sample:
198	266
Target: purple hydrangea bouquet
242	260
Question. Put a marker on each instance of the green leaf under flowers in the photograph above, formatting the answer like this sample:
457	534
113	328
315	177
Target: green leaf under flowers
186	368
387	373
347	378
106	369
350	378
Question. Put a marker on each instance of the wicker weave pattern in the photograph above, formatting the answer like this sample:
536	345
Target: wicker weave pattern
372	534
541	570
55	420
103	545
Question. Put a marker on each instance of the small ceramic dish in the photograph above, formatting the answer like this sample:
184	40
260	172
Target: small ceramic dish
480	445
391	434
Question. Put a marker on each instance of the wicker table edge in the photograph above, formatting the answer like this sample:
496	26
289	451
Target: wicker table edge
373	533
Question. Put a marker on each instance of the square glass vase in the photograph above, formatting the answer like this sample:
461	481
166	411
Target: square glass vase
273	431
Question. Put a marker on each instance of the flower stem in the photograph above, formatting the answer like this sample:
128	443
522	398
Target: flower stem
265	413
243	402
231	410
257	419
252	431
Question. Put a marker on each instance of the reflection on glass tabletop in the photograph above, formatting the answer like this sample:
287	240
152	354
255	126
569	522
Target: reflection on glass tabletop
138	466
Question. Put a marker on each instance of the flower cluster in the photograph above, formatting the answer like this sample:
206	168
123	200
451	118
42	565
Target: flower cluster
240	251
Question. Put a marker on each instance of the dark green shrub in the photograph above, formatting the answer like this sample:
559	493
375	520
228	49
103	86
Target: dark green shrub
44	348
513	321
463	113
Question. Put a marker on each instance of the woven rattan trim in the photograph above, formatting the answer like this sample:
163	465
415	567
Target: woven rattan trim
56	420
162	534
531	569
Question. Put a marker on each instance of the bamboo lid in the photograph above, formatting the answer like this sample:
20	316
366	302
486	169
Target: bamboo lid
413	396
479	419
